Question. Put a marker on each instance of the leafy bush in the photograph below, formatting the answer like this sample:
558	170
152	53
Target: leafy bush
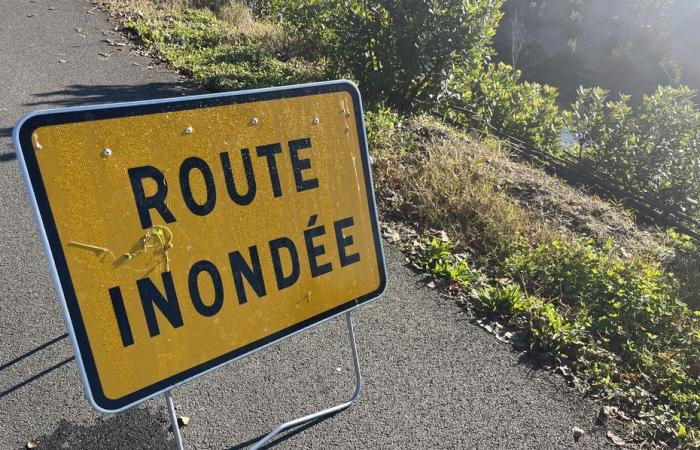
438	258
550	331
382	125
631	311
493	99
399	51
652	148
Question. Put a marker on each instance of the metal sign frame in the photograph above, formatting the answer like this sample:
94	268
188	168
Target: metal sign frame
22	135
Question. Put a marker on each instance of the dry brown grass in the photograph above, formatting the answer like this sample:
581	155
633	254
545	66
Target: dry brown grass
431	176
439	180
444	179
268	35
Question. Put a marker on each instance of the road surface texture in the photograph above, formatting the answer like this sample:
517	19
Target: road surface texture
432	379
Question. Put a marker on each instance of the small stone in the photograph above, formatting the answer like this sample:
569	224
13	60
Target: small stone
183	421
578	432
32	443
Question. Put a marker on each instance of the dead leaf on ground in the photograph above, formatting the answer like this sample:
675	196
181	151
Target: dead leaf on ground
431	284
578	432
617	440
32	443
183	421
391	235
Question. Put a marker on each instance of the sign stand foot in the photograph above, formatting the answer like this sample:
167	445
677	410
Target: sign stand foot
295	422
329	411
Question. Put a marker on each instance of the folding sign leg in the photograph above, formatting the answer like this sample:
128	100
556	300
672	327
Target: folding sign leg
173	421
295	422
329	411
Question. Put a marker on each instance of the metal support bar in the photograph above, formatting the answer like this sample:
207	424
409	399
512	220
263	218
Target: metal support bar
173	421
325	412
295	422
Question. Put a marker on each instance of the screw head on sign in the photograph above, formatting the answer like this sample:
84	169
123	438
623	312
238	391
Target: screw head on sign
189	130
107	152
254	121
316	121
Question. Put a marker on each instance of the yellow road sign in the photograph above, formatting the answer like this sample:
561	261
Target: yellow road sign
185	233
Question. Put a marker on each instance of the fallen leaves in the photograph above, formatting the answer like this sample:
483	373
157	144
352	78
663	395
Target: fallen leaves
115	43
182	421
617	440
32	443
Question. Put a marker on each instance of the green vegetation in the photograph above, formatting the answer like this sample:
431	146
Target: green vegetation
615	324
601	306
652	148
591	291
236	53
399	52
492	99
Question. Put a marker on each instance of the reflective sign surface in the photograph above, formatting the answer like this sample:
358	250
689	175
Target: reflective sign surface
188	232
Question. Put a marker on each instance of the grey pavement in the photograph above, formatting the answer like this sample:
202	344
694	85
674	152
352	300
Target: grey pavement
432	379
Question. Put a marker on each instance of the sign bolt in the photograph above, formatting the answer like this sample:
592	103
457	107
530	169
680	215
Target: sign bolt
254	121
189	130
316	121
107	152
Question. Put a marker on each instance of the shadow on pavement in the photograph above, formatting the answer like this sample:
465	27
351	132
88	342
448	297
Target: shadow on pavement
10	156
80	94
36	377
32	351
135	429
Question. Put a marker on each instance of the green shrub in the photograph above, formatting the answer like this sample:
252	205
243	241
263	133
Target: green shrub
399	51
550	331
382	124
652	148
631	311
438	258
493	99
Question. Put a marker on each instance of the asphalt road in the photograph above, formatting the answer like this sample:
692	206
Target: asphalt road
432	379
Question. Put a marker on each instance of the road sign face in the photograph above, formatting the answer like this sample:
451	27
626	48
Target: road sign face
186	233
